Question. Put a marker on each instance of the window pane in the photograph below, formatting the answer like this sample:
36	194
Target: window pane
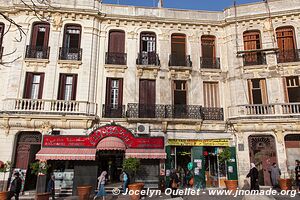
68	91
35	86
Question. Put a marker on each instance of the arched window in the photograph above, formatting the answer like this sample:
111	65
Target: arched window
178	50
147	55
38	47
252	43
208	47
71	44
286	44
116	48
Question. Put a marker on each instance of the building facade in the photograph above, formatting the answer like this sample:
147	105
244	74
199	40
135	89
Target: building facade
91	84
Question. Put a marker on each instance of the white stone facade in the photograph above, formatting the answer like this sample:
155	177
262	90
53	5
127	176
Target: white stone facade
97	20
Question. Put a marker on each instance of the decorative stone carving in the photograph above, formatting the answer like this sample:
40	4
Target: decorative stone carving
279	135
164	127
132	35
46	127
164	36
57	21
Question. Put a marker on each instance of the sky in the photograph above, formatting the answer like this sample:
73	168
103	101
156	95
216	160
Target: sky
212	5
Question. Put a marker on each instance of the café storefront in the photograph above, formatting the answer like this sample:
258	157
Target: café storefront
207	170
79	160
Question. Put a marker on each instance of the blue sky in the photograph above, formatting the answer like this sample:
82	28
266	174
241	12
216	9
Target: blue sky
214	5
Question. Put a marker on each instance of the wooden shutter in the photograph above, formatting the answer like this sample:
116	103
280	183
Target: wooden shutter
251	42
178	45
41	86
28	85
120	100
74	87
250	87
211	94
285	38
116	42
46	38
35	31
62	87
108	91
264	94
147	92
208	46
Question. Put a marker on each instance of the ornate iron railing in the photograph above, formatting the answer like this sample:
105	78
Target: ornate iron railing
116	58
210	113
70	53
37	52
49	106
254	58
210	63
175	60
113	111
290	55
148	58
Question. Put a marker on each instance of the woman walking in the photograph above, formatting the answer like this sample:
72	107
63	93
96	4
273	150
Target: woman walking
101	183
253	174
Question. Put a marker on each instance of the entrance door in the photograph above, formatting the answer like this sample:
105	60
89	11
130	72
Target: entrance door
111	161
28	144
147	99
263	153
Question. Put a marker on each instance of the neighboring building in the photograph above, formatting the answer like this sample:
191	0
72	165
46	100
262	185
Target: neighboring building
98	83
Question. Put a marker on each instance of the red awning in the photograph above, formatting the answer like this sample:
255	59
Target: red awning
111	143
146	153
66	154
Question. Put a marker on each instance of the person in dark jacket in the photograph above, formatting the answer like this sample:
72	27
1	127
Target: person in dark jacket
15	187
297	173
253	174
51	187
174	182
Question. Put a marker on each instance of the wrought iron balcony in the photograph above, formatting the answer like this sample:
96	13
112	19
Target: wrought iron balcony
37	52
113	111
1	52
43	106
254	58
176	60
148	58
210	113
290	55
210	63
116	58
70	53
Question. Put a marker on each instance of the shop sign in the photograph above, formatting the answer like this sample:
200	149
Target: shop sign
184	142
97	135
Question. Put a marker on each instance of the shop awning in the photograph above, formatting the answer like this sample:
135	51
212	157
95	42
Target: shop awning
66	154
111	143
146	153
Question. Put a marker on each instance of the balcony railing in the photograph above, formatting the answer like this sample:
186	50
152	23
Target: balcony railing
179	60
210	63
49	106
209	113
116	58
70	53
37	52
148	58
1	52
254	58
290	55
113	111
256	110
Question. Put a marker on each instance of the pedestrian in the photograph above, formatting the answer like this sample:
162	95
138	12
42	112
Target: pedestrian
297	175
125	180
15	187
101	189
275	175
174	182
253	175
51	187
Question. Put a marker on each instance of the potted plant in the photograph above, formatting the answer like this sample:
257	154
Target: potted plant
224	157
285	183
132	165
40	168
4	168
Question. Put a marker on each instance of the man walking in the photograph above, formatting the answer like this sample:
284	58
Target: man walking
51	187
15	187
297	175
275	175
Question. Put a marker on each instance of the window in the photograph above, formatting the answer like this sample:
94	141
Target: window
147	98
38	47
179	99
1	38
178	50
114	97
252	42
116	48
257	91
208	59
286	44
67	87
292	89
147	55
34	83
211	94
71	44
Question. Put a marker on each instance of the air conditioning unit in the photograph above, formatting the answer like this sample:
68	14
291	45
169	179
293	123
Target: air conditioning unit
142	129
